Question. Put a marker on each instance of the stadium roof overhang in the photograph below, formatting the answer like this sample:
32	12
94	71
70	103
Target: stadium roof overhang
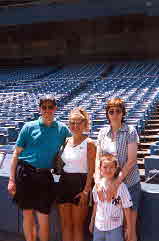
28	12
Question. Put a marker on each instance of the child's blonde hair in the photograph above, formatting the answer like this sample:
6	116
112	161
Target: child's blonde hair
110	158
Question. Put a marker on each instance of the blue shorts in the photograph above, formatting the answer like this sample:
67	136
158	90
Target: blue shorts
112	235
135	192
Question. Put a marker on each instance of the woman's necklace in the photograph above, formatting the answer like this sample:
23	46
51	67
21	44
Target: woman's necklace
77	142
114	135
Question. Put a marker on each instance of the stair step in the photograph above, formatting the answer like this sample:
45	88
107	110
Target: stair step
142	174
153	121
149	138
145	145
143	153
140	160
152	126
155	112
151	131
141	166
154	116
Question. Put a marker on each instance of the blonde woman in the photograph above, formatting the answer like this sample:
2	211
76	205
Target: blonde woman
75	184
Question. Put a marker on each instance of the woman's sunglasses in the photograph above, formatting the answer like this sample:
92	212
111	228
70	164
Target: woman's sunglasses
117	111
76	122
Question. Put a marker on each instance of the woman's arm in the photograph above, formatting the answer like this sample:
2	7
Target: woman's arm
132	160
91	225
91	155
97	175
128	217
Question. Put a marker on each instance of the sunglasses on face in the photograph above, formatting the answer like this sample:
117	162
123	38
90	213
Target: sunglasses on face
117	111
76	122
47	107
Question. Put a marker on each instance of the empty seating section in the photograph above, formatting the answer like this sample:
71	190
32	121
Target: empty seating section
78	85
74	85
20	89
127	82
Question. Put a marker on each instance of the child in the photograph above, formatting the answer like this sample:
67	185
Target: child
107	217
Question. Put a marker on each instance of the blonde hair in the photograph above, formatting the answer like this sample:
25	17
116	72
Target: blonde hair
109	158
83	114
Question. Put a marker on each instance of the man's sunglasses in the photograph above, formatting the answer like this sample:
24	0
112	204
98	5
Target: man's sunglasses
47	107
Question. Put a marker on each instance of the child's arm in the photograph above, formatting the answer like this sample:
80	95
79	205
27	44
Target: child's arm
91	225
128	217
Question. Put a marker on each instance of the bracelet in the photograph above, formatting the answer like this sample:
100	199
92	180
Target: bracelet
11	180
85	193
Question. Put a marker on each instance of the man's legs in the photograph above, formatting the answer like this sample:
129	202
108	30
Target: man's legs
44	227
29	226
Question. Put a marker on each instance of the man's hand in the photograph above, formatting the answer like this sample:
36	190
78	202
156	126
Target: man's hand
11	187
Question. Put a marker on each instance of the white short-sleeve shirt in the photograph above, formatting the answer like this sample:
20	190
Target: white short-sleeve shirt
125	135
109	215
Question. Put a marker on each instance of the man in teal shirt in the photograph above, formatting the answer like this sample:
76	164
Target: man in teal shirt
31	181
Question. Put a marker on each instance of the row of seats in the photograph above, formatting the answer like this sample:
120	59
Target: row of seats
19	101
73	86
81	85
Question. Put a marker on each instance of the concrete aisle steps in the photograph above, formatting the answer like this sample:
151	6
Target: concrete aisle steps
149	136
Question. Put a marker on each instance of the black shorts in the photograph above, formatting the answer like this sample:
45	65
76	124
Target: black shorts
69	186
34	188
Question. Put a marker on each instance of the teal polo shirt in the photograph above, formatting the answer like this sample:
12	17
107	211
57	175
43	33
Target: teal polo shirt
41	143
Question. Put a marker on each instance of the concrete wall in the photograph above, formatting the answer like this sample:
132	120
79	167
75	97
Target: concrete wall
11	216
124	37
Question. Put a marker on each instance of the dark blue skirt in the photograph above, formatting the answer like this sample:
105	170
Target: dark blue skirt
69	186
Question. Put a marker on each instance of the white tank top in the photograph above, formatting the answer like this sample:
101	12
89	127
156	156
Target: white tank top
75	158
109	146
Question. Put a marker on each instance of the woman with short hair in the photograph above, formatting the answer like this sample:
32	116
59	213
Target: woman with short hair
121	140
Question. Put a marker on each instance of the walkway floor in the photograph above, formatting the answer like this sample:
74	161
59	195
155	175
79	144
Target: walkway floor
7	236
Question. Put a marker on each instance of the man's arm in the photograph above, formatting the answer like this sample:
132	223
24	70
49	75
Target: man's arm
14	161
